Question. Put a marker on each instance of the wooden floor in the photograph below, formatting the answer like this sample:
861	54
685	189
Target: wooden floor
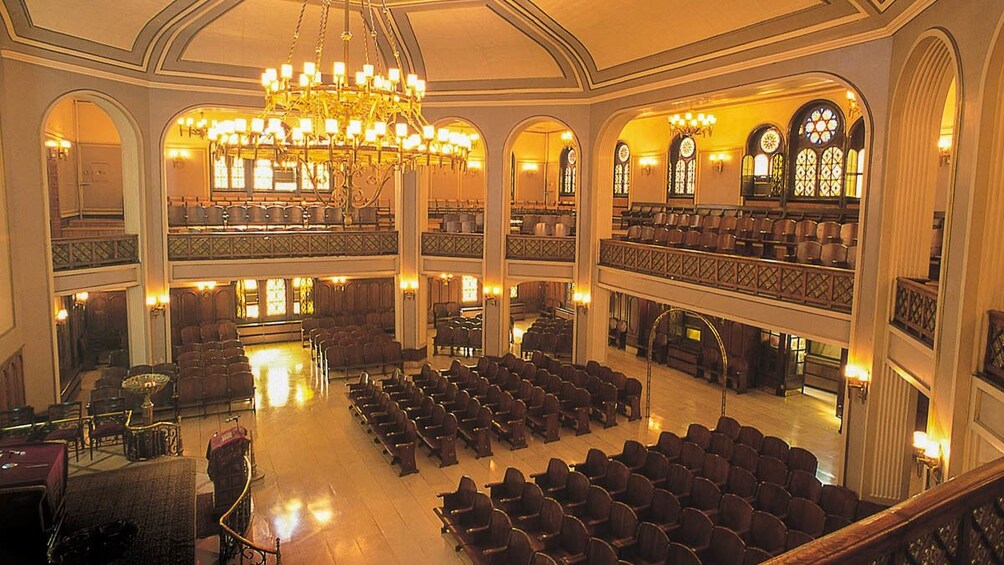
332	498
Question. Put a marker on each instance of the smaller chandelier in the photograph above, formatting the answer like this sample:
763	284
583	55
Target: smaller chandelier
192	127
691	125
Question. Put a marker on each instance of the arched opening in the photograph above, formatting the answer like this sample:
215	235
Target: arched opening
543	318
543	178
457	194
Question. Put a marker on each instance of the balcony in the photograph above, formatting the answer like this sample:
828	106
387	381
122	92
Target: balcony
540	248
97	251
209	246
916	308
811	285
441	244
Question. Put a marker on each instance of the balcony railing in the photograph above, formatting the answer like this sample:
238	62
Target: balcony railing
208	246
916	308
471	245
961	521
540	248
993	361
99	251
812	285
234	526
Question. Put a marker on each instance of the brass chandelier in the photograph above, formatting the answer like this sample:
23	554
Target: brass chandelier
347	131
691	125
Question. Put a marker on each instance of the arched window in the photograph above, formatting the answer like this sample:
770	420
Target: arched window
622	169
817	137
855	172
566	184
682	175
763	163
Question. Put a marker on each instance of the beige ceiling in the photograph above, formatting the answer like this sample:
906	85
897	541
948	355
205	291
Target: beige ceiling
115	23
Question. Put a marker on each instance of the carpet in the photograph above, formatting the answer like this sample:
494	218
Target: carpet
158	497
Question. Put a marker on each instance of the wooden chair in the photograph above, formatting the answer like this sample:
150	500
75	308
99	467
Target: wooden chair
669	445
726	548
774	499
806	516
694	531
638	494
804	485
768	533
728	426
569	546
633	455
65	422
679	554
741	483
736	514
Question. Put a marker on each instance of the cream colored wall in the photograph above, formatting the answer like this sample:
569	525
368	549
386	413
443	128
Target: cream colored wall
544	150
191	178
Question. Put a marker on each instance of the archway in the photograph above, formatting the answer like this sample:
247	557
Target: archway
543	178
457	195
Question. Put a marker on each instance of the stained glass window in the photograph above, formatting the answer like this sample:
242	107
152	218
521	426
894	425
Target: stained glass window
622	169
567	182
303	295
818	167
855	168
237	175
247	299
514	291
469	289
221	174
763	163
263	174
682	177
275	297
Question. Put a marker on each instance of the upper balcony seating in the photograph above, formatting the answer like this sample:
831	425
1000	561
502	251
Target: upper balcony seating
645	213
827	243
463	222
220	215
562	225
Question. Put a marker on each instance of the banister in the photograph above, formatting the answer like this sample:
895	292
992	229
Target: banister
234	547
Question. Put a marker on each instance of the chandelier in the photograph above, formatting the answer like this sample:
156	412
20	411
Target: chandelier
689	125
349	131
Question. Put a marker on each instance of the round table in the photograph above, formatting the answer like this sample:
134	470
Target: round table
146	384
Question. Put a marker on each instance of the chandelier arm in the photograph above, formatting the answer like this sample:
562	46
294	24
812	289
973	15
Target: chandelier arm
296	33
379	190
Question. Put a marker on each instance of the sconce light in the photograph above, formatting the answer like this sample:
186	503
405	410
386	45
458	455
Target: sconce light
581	301
409	287
530	168
944	150
857	379
853	110
205	285
718	161
474	167
492	294
80	298
566	138
339	283
446	278
157	304
58	148
927	455
647	164
62	315
178	157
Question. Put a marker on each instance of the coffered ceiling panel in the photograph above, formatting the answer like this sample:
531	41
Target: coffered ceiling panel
475	43
618	31
116	23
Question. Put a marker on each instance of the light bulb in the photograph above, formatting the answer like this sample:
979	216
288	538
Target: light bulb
287	71
339	69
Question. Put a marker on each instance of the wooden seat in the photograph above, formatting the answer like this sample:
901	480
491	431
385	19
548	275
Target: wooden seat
694	531
726	548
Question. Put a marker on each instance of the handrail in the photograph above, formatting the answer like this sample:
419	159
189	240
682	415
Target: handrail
957	522
94	251
916	308
208	246
142	443
234	547
444	244
540	248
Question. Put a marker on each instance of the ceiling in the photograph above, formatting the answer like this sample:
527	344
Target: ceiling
559	47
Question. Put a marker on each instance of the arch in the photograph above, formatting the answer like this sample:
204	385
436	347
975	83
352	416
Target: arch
457	196
622	170
681	167
816	151
519	129
764	162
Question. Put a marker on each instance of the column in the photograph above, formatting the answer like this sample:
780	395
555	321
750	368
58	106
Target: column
411	302
592	223
496	316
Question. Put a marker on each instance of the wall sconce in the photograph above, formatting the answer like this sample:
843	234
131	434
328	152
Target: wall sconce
410	288
58	148
647	164
944	150
80	298
474	167
339	283
853	110
445	278
927	454
857	379
157	304
178	157
530	168
62	316
492	294
205	285
581	301
718	161
566	138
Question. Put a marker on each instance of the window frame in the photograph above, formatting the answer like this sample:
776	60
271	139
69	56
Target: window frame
798	145
622	172
775	178
673	163
567	172
249	167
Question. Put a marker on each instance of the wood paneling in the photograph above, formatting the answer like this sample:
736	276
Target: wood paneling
357	297
12	382
191	307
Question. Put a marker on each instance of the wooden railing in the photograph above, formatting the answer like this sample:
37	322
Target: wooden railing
812	285
439	244
540	248
961	521
99	251
916	308
234	525
152	440
208	246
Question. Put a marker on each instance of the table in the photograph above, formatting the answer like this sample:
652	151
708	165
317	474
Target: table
147	384
33	486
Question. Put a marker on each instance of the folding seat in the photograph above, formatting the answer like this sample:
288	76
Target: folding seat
736	514
833	255
554	480
776	447
195	216
709	241
509	490
801	460
746	457
726	548
700	435
569	545
679	554
773	499
772	470
768	533
529	505
806	516
616	479
595	465
692	456
804	485
633	455
240	387
622	527
741	483
638	494
456	503
190	391
599	552
795	538
748	435
722	444
574	495
705	496
669	445
656	468
755	556
652	545
518	549
716	469
680	482
694	531
692	240
840	504
849	234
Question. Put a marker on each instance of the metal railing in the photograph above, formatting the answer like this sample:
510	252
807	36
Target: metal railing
208	246
811	285
916	308
98	251
540	248
234	525
441	244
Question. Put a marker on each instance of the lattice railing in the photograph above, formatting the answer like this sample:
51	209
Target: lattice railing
152	441
207	246
100	251
993	362
540	248
469	245
234	525
961	521
812	285
916	308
